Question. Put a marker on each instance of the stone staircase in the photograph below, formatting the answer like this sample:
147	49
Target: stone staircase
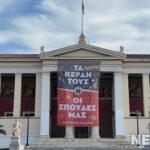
46	143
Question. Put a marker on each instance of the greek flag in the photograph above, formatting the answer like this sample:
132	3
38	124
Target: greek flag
83	8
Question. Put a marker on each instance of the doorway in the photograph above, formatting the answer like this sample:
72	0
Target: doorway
55	130
105	105
81	132
105	110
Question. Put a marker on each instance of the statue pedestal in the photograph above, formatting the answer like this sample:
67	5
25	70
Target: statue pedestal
15	144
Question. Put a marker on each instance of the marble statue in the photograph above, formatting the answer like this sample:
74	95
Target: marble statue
15	143
42	49
16	129
121	49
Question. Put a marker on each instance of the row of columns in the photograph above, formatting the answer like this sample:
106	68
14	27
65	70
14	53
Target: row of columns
17	94
146	94
118	106
42	101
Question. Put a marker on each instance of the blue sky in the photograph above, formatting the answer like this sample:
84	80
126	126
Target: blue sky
26	25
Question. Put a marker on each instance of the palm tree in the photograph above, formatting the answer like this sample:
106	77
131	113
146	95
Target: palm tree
2	131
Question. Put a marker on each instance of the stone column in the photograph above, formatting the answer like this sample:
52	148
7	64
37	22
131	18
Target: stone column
69	132
95	132
126	95
38	91
118	104
17	95
146	94
45	104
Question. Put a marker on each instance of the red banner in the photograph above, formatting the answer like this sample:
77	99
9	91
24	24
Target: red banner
78	94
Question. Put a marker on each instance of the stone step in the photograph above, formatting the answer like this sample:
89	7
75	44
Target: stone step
46	143
85	148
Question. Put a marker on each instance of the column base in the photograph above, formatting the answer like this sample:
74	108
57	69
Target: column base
95	133
95	137
69	133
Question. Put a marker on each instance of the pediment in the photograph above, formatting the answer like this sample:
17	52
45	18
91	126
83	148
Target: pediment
82	51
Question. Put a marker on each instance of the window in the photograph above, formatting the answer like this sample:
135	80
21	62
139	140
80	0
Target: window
28	93
26	113
7	86
136	94
8	114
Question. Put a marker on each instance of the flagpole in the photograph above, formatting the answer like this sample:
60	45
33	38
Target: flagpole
82	37
82	13
82	23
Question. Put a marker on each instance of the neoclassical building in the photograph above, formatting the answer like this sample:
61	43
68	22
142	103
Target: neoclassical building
28	85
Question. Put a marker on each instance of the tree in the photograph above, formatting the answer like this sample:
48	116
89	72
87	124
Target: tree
2	131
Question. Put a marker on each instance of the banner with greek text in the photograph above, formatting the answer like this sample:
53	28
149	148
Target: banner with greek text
78	93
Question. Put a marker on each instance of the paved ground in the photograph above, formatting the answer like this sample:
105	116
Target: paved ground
94	148
88	149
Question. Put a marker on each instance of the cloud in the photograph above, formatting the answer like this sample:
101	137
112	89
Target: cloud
51	6
130	46
56	24
34	32
4	4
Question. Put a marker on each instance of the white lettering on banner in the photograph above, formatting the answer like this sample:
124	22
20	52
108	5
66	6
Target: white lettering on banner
78	68
93	107
72	107
88	107
78	74
77	115
77	107
77	100
60	106
78	81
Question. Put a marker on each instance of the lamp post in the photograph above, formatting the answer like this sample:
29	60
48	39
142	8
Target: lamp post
149	123
137	120
27	144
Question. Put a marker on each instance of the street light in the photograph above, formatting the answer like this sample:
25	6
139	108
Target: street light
27	144
137	120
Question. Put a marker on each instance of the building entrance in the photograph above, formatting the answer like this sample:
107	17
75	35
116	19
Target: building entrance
55	130
81	132
105	105
105	110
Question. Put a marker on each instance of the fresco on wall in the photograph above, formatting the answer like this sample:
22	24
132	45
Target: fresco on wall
28	87
136	95
135	88
105	89
7	87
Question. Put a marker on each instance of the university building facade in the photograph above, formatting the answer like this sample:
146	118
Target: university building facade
28	85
